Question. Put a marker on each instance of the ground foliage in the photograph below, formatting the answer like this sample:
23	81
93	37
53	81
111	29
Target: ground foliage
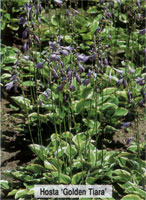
75	73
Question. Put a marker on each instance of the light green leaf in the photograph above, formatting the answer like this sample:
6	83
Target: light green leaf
21	193
87	92
4	184
24	103
63	178
36	168
120	112
77	177
39	150
131	197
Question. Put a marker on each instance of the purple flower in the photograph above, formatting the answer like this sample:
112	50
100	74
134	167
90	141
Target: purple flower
58	2
138	4
40	8
47	93
26	57
54	57
22	21
39	20
86	82
9	85
129	140
78	78
53	45
62	64
37	39
142	32
125	125
72	87
28	9
64	52
25	47
82	58
144	50
105	62
143	92
140	103
125	83
109	37
138	16
140	81
119	71
68	48
55	74
60	87
131	70
25	33
119	2
129	96
82	69
40	65
119	82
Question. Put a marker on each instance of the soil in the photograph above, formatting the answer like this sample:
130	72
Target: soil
14	147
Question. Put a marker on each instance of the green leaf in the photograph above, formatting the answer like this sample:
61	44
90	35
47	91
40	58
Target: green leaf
86	103
109	106
68	39
36	168
109	129
28	83
131	197
12	193
77	177
108	91
86	36
4	184
92	10
24	103
39	150
120	112
21	193
94	26
87	92
10	59
63	178
122	95
71	151
54	20
123	174
49	166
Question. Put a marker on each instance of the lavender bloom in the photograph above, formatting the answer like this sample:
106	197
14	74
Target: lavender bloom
58	2
37	39
82	58
142	32
72	87
129	140
129	96
125	83
40	65
28	9
64	52
68	48
140	103
25	47
140	81
138	4
119	2
55	74
125	125
119	82
81	68
60	87
92	57
143	92
40	8
109	37
105	62
62	64
9	85
69	72
138	16
131	70
89	73
25	33
26	57
119	71
78	78
53	45
144	50
22	21
47	93
54	57
39	20
86	82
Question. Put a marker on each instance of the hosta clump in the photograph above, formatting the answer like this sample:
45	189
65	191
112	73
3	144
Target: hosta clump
65	163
